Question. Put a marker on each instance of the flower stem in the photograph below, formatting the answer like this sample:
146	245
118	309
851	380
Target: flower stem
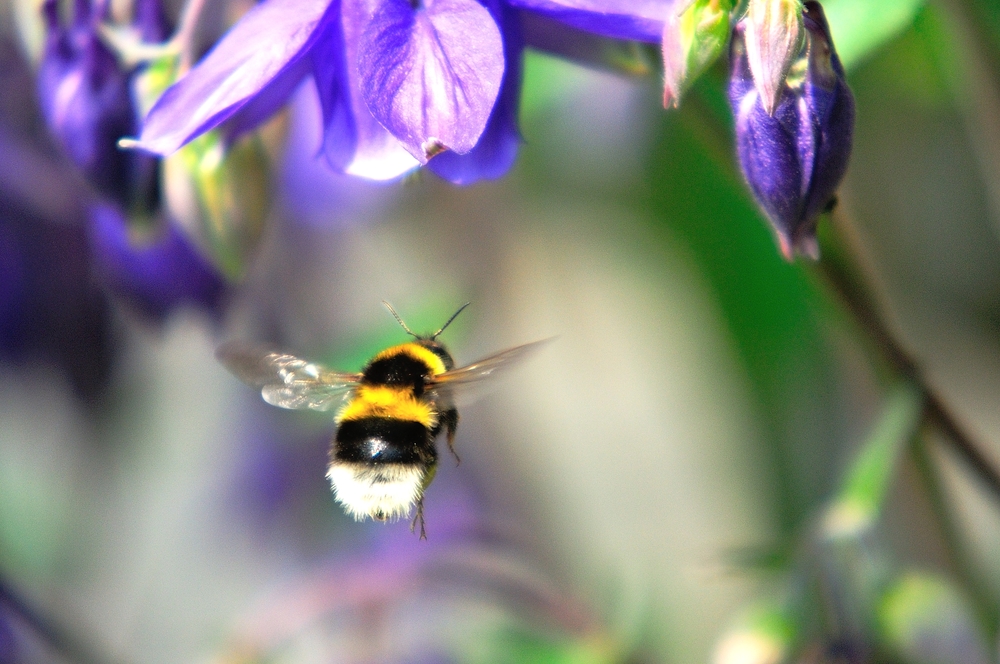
835	272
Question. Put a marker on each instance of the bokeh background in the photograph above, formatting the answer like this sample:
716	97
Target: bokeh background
643	490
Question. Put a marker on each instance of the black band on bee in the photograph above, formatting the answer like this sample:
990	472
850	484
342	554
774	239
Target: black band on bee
439	350
383	440
400	370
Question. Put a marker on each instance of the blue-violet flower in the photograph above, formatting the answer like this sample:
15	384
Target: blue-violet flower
400	82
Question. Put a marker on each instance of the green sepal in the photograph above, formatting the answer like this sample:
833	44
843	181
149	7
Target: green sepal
692	41
221	196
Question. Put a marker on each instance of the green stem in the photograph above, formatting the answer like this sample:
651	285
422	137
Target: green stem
836	275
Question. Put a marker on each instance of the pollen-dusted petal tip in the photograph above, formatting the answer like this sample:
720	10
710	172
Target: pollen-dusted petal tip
431	74
268	40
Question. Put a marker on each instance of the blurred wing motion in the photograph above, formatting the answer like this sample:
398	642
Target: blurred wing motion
464	383
285	380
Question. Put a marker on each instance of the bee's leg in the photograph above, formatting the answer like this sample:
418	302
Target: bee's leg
419	517
449	419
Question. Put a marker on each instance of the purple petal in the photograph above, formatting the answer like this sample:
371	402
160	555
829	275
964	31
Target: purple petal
154	274
431	75
85	99
268	101
496	150
621	19
266	42
315	194
831	105
354	142
768	148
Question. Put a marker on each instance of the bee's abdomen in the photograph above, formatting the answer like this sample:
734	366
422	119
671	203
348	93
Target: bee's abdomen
383	440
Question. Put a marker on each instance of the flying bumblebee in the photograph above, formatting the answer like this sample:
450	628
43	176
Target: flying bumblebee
383	457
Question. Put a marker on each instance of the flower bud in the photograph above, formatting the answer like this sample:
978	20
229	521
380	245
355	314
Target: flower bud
795	158
774	36
85	97
692	40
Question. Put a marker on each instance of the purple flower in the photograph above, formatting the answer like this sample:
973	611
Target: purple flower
400	82
85	97
794	159
154	273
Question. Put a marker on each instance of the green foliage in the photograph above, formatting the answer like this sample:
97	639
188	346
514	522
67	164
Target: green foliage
860	27
512	645
859	502
691	43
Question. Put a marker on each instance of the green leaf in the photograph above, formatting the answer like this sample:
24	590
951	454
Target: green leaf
859	27
859	502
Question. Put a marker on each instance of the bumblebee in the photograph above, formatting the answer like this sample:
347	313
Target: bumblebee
383	456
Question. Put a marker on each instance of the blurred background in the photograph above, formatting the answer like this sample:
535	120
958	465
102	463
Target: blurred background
655	486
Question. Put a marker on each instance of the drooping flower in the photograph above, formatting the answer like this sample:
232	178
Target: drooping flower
398	83
401	83
795	158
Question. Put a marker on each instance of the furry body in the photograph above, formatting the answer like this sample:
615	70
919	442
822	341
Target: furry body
383	456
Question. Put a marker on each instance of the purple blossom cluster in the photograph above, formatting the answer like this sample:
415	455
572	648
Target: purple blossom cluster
401	84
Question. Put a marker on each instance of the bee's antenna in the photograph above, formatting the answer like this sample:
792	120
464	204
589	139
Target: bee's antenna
453	317
400	320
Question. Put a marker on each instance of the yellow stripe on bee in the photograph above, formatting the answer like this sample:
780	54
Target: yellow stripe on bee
417	352
393	402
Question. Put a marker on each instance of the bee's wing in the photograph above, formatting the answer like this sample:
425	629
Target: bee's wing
286	380
464	383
